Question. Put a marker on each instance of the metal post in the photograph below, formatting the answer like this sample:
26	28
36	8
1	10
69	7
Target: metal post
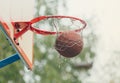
9	60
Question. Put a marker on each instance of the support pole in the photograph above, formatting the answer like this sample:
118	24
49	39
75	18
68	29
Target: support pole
9	60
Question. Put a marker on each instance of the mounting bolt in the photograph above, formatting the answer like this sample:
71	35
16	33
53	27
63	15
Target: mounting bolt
18	30
16	41
17	44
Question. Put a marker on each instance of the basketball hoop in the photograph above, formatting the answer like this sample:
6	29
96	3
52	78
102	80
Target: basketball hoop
68	42
67	23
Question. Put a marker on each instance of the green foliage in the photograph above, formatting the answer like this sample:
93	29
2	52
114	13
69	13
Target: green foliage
11	72
5	48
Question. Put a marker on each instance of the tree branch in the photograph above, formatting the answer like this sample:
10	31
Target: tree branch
83	65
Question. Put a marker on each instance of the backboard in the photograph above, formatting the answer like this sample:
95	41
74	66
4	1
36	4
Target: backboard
18	11
25	47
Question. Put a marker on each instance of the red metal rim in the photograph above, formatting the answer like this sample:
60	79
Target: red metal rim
43	32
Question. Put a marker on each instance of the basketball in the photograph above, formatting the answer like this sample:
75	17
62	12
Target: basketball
69	44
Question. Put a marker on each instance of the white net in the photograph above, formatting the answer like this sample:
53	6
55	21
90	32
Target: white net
58	24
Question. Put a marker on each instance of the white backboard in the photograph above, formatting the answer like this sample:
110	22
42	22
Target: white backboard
13	11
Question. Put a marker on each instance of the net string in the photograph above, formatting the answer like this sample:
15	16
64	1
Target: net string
66	43
55	25
62	24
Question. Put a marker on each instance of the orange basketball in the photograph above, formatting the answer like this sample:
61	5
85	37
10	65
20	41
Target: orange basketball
69	44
